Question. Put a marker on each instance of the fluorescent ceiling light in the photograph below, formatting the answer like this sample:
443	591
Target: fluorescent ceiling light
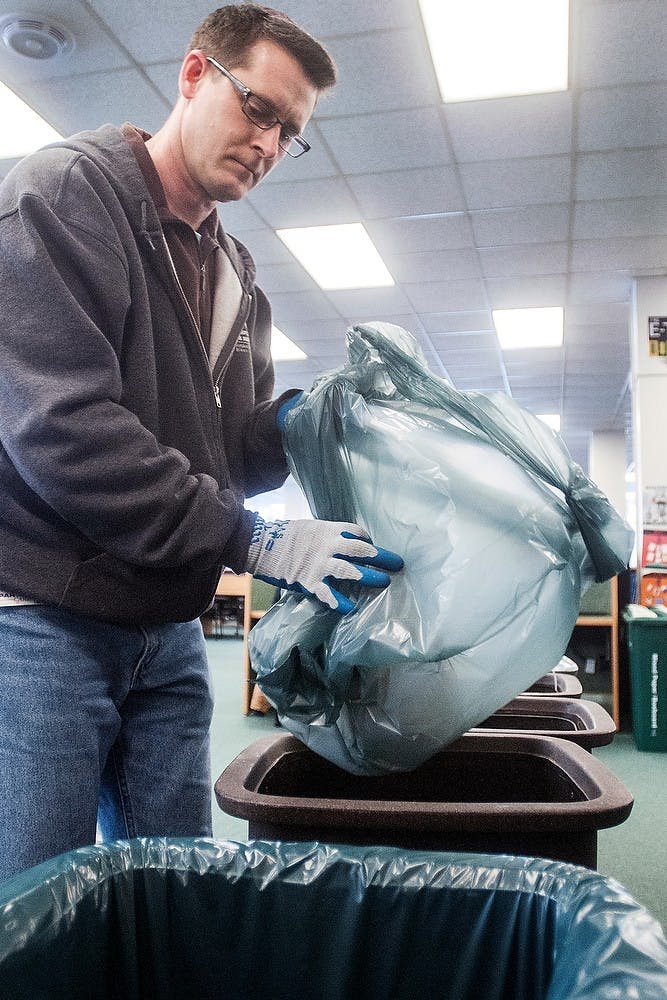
551	419
497	48
284	349
23	130
529	328
338	256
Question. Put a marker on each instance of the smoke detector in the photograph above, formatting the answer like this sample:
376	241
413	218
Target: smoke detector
34	38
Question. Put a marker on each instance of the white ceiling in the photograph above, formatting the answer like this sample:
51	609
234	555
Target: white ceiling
527	201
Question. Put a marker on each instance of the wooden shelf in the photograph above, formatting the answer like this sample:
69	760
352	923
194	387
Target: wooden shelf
609	621
231	585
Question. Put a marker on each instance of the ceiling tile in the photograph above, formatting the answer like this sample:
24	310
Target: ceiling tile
508	128
458	322
629	217
165	77
623	116
459	360
445	265
408	193
354	303
291	277
95	48
310	306
322	202
467	343
151	28
459	296
621	174
628	41
446	232
501	183
649	253
603	287
240	217
347	17
380	71
60	101
359	144
266	247
547	362
527	292
530	224
606	313
304	332
501	262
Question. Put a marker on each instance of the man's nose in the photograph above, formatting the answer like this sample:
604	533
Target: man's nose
267	140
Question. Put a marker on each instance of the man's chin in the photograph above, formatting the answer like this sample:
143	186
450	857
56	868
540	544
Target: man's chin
233	191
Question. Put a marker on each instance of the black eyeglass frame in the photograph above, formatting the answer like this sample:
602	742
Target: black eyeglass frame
246	94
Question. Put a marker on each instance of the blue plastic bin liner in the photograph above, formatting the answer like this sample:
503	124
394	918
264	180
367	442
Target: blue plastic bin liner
500	531
160	918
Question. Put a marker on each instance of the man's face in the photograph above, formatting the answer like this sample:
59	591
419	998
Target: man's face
224	152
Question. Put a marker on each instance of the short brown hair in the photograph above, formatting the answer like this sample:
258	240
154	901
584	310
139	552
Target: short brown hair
229	32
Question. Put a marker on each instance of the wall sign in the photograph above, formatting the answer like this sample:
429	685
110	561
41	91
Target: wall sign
657	336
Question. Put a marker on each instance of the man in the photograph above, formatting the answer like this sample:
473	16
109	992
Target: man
136	416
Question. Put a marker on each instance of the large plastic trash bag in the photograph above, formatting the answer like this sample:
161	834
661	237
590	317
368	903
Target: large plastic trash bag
500	531
202	919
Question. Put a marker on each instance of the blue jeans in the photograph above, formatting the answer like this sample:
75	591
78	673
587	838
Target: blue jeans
99	723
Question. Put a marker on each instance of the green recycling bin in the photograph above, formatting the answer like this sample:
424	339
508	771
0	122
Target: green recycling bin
647	643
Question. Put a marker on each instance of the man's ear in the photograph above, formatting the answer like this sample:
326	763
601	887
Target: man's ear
193	68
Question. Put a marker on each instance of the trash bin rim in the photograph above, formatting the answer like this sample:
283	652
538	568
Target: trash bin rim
236	793
600	933
602	727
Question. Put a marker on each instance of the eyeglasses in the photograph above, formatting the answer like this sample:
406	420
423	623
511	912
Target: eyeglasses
263	116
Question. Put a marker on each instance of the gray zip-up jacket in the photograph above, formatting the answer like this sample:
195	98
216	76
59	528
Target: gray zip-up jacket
124	462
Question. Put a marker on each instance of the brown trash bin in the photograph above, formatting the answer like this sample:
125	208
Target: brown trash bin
523	794
556	685
581	721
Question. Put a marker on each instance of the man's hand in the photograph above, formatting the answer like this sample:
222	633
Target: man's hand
285	407
309	555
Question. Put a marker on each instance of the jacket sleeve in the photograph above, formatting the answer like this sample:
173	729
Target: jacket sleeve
264	457
87	458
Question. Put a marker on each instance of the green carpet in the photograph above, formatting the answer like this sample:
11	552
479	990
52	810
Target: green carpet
633	853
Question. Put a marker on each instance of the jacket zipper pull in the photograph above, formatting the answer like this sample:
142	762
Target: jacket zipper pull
216	390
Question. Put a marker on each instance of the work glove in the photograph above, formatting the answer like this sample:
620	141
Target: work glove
308	555
285	407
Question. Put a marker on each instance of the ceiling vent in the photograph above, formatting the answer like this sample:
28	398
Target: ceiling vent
34	38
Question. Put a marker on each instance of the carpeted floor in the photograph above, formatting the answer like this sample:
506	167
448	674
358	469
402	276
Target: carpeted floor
634	853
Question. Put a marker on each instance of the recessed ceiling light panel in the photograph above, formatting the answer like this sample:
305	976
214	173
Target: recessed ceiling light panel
552	420
284	349
23	130
337	257
519	329
485	49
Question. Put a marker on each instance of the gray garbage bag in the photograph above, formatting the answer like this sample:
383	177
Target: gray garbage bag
500	531
167	919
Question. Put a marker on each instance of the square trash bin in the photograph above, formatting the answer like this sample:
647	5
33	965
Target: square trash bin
556	685
647	645
583	722
520	794
203	919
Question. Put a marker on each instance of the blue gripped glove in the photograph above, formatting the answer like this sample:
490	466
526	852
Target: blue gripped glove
308	555
285	407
